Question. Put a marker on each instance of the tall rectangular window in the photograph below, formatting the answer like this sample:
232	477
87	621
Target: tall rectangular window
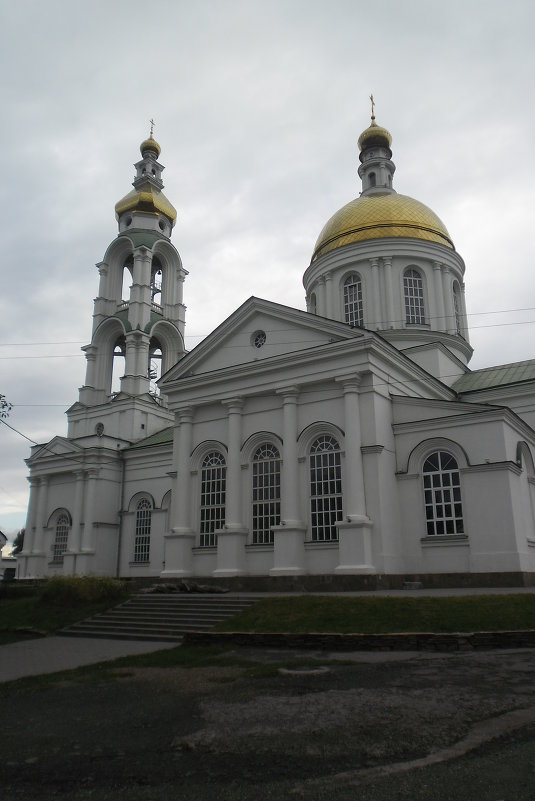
442	495
325	488
353	305
413	289
143	526
266	493
213	480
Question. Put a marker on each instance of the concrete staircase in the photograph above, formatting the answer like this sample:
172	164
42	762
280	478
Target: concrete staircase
160	617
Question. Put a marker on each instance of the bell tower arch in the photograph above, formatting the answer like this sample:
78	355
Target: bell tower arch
139	314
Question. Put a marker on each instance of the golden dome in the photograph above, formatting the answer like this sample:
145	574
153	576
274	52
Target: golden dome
147	199
150	144
374	135
378	216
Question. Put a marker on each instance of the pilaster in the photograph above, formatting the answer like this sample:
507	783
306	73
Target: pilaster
289	537
231	540
355	548
179	541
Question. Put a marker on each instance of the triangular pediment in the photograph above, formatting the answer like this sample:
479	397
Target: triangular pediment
259	330
59	446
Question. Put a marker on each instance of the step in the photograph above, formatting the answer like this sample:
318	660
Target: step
160	616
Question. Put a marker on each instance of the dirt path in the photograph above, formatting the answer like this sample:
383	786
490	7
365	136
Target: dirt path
435	727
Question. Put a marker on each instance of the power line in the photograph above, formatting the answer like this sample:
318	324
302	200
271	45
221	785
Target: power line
197	336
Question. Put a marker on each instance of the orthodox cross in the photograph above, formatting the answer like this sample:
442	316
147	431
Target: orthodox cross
152	123
373	107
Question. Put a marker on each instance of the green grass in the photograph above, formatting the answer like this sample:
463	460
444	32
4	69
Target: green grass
314	613
54	604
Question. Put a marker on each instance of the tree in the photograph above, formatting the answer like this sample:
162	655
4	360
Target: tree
18	542
5	406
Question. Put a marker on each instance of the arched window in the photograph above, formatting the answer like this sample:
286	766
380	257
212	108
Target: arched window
266	492
373	180
156	283
118	363
457	307
442	495
213	478
413	290
155	365
325	488
353	307
61	537
143	526
127	279
313	303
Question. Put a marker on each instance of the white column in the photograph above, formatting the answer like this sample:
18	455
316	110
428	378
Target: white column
355	546
289	485
181	502
354	499
377	322
73	546
321	308
329	308
231	540
89	510
464	318
233	512
440	323
85	559
24	556
29	531
40	520
447	289
289	537
390	322
180	540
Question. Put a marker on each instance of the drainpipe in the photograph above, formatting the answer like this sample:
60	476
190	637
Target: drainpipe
120	533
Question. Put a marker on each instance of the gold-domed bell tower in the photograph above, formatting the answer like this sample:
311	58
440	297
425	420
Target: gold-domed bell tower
139	314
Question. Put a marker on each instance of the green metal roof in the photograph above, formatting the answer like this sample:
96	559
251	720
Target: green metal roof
499	376
162	437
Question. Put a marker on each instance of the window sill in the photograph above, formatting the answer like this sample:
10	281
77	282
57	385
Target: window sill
447	540
259	546
140	563
322	543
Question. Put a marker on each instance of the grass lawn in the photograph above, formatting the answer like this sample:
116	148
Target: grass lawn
45	608
362	615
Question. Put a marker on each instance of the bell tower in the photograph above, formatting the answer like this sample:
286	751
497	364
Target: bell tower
139	315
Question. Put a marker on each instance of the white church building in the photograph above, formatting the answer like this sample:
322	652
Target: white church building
346	445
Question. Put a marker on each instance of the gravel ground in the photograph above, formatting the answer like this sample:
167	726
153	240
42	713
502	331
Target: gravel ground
371	727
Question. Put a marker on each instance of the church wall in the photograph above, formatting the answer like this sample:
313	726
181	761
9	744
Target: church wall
146	476
379	465
490	516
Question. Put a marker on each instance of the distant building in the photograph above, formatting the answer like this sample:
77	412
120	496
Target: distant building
8	564
347	439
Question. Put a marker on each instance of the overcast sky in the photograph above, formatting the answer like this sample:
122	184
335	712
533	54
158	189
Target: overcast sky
258	108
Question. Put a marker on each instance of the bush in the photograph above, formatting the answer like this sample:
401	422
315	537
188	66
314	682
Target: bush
88	589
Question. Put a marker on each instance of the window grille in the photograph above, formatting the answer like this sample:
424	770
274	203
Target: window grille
61	538
213	479
442	495
143	526
353	306
413	288
266	493
325	488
